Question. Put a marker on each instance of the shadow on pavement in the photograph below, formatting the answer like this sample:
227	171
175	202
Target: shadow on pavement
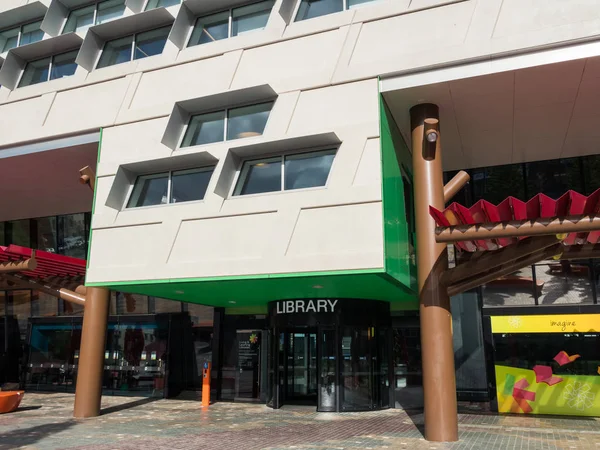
124	406
28	408
23	437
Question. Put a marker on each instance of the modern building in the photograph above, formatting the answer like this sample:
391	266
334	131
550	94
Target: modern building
254	201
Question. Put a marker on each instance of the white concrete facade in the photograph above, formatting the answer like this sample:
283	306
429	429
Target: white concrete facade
324	75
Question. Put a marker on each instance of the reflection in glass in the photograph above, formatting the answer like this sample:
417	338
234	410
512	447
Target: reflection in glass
308	170
205	129
210	28
31	33
251	17
328	371
2	228
80	19
494	184
564	282
553	178
19	233
9	39
357	383
515	289
315	8
260	176
356	3
73	229
151	42
110	10
248	121
20	304
150	190
131	303
63	65
161	4
163	305
116	52
35	72
189	185
46	234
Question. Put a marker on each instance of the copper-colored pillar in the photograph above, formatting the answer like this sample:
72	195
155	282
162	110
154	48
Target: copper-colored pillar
437	354
88	392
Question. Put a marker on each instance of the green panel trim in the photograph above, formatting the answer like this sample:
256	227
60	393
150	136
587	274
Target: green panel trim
249	292
254	310
396	174
237	277
89	250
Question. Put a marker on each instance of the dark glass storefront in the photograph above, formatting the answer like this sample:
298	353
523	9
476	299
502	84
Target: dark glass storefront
331	353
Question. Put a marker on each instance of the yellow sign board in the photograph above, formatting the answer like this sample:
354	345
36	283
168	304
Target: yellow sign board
555	323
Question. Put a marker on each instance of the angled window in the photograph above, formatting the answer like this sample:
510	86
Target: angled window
22	35
232	22
161	4
310	9
49	68
82	18
228	124
170	187
137	46
286	172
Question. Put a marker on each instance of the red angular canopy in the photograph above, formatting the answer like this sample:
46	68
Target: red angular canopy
539	207
48	264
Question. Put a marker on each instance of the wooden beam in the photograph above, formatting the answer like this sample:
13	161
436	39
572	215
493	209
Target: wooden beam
457	182
490	260
87	176
19	266
504	270
522	228
62	293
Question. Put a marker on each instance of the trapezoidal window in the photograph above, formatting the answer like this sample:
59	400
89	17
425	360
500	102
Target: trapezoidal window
21	35
50	68
227	124
285	172
309	9
81	19
176	186
231	22
132	47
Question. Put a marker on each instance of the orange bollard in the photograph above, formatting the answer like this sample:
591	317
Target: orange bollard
206	384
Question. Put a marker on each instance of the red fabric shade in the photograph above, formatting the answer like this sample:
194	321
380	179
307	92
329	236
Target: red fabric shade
539	207
48	264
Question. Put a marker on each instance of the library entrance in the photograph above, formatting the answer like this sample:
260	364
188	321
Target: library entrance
329	353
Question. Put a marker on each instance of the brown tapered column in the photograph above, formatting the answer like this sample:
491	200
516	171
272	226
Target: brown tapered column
439	384
88	392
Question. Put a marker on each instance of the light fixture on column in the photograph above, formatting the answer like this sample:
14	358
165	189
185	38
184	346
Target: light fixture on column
432	135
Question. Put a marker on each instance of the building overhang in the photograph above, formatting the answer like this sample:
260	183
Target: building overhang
508	109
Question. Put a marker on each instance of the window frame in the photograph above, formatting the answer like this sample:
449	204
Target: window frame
169	173
230	23
345	8
95	4
242	171
50	64
225	122
147	2
20	34
133	45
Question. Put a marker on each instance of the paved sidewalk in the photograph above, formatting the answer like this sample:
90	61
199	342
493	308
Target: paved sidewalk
44	422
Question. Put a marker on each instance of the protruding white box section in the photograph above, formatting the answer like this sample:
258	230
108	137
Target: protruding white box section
334	107
288	145
191	80
369	168
87	107
135	5
120	248
542	14
236	238
19	56
289	64
436	28
183	110
16	12
98	35
345	229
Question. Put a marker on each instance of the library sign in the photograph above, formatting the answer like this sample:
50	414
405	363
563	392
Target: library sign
305	306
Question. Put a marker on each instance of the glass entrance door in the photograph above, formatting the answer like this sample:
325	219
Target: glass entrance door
301	366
